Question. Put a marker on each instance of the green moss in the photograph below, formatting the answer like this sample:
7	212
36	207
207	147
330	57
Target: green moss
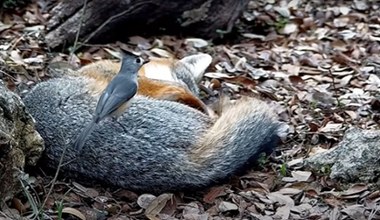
283	170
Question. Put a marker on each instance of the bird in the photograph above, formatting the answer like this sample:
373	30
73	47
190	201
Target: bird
116	96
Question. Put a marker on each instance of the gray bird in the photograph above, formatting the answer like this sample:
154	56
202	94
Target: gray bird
115	98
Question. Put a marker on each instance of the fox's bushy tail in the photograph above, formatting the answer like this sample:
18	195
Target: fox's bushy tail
243	131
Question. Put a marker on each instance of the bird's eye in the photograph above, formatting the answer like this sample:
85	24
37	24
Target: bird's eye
139	61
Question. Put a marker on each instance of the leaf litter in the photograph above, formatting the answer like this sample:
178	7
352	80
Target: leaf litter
319	62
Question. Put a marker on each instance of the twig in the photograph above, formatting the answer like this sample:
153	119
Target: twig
55	177
79	29
32	201
373	212
109	20
334	87
65	147
9	75
339	104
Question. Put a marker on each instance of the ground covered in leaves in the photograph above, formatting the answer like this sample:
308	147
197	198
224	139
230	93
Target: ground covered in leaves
320	65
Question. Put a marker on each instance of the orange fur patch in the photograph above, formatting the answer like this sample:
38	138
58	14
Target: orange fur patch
159	68
166	91
103	71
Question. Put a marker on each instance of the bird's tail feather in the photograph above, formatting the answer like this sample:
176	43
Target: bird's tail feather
80	140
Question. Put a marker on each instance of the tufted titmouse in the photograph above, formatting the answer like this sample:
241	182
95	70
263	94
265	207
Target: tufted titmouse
115	98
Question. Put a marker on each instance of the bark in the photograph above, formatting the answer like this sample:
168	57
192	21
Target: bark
20	143
103	21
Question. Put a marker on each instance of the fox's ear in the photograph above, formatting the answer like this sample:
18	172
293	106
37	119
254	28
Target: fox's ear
198	64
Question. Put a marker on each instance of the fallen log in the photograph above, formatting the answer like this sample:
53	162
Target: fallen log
103	21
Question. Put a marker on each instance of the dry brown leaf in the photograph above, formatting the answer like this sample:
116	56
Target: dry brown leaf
86	192
331	127
341	22
4	27
204	216
192	208
295	162
374	195
196	42
227	206
145	200
312	193
289	29
217	75
297	81
75	212
254	36
140	42
333	201
19	205
343	59
308	61
276	197
243	81
355	189
115	54
355	212
289	191
301	175
157	205
162	53
344	81
126	194
282	212
213	193
352	114
316	150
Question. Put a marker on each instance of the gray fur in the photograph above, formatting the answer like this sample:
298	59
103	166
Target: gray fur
190	82
184	74
148	147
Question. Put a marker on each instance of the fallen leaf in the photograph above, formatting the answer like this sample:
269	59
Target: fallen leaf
227	206
145	200
301	175
75	212
289	29
213	193
276	197
355	189
289	191
157	205
355	212
331	127
196	42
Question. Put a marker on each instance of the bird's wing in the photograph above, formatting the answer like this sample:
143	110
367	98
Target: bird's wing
116	96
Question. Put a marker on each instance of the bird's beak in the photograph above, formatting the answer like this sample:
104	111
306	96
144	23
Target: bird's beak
145	62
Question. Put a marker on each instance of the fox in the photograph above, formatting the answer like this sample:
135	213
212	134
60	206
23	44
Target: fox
161	78
156	145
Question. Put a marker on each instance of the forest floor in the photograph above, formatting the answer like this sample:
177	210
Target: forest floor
320	64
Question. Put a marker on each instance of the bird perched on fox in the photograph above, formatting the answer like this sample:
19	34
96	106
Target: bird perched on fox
116	96
161	78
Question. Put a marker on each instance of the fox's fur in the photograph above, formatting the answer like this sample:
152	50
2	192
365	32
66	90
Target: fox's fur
161	78
162	69
156	145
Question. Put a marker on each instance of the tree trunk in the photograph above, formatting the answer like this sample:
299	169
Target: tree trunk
104	21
